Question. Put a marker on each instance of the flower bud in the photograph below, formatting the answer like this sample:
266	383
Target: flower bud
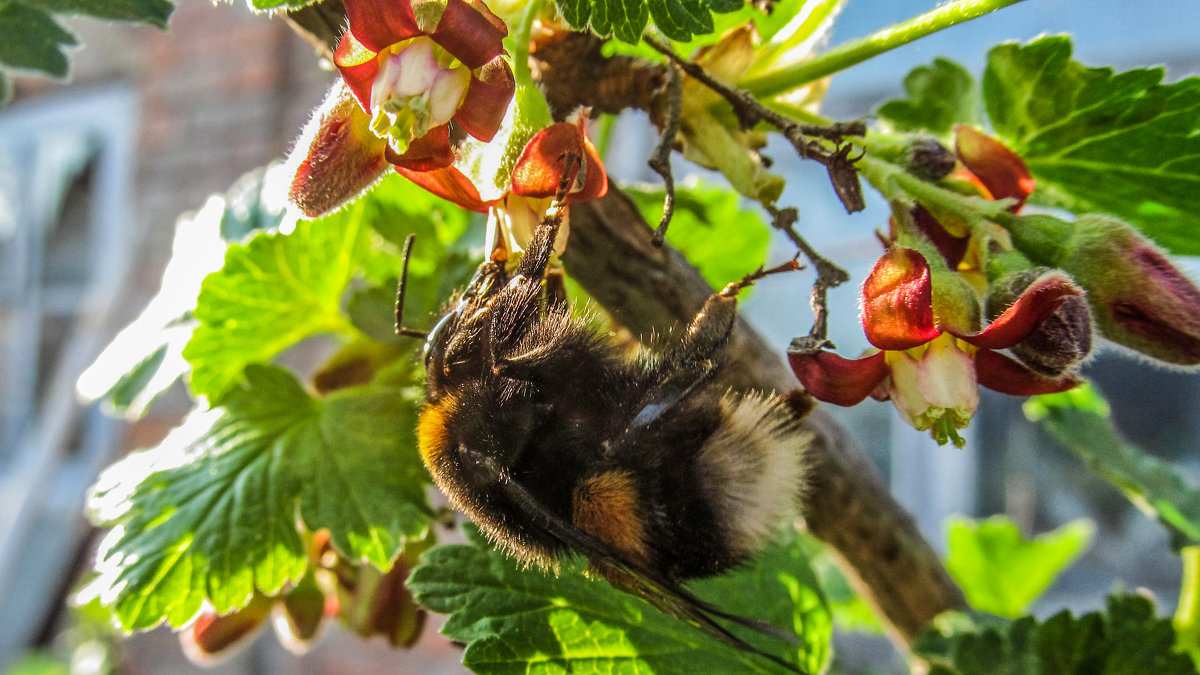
381	604
928	159
1138	298
1062	339
337	157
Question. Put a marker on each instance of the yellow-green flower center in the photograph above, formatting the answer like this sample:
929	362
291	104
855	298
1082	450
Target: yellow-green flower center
419	87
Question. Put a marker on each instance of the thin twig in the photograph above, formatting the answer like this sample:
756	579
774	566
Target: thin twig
803	137
829	275
661	160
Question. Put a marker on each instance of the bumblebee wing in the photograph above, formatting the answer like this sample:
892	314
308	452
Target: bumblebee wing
668	393
663	593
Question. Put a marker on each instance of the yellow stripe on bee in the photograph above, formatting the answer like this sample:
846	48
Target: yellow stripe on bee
431	431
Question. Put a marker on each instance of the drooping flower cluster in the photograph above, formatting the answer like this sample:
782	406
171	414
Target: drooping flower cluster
418	78
923	318
1041	285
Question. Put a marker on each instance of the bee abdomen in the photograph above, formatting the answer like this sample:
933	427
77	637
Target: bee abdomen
753	469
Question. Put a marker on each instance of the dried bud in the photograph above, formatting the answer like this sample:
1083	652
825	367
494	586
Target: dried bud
928	159
1138	298
1062	339
212	637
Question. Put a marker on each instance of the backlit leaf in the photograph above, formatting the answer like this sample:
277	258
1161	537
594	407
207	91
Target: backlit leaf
525	621
213	512
1079	420
1100	140
1000	571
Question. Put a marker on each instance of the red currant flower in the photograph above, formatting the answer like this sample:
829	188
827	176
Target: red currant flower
535	179
414	67
928	370
409	72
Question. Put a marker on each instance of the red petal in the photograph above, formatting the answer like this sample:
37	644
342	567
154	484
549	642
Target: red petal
429	152
470	32
1000	373
1041	299
487	100
358	67
595	182
1001	170
831	378
897	301
378	24
539	170
450	184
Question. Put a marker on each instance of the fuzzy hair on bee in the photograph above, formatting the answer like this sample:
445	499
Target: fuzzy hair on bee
556	441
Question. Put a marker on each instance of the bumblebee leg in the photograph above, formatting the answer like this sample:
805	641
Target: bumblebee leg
709	330
734	288
537	254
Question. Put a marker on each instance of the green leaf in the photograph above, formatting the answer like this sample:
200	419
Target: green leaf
710	226
940	95
1079	420
274	291
1126	638
1097	140
518	620
626	19
849	611
153	12
31	39
264	5
212	513
146	357
1000	571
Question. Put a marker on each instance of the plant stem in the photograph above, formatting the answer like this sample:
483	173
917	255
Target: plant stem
893	182
854	52
520	41
1187	614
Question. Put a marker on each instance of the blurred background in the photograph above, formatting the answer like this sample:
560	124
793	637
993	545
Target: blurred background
95	172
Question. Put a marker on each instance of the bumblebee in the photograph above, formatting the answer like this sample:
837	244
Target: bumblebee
554	440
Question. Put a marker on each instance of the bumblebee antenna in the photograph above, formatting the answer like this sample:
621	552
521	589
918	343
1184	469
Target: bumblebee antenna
400	288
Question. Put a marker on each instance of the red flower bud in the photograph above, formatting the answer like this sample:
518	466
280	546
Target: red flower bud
337	157
1062	339
381	604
